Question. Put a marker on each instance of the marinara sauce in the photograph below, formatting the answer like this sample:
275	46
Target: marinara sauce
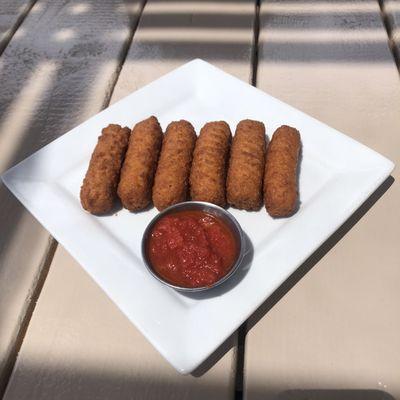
192	248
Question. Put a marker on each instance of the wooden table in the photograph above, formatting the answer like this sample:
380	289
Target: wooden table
332	330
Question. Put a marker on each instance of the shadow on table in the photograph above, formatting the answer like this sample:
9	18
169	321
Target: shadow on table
289	284
229	343
333	394
108	381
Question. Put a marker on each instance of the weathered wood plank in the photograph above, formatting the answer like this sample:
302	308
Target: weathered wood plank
90	349
56	72
337	329
172	33
12	13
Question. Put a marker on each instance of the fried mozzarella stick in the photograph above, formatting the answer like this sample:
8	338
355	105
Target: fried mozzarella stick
172	175
99	188
140	163
208	173
280	179
246	166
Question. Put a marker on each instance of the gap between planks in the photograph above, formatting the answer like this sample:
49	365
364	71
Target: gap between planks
389	29
240	352
52	247
14	29
124	54
241	344
41	278
256	35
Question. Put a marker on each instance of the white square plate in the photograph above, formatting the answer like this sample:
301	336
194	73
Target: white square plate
337	175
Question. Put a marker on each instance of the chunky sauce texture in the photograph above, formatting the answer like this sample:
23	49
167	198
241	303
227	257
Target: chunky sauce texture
192	248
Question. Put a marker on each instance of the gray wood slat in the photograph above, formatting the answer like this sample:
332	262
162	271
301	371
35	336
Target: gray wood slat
172	33
57	71
335	333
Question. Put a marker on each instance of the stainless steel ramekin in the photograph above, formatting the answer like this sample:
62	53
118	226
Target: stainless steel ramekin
212	209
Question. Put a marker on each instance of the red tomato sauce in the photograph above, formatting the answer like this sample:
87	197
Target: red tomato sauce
192	248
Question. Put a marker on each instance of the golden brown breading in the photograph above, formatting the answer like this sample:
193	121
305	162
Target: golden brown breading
99	188
172	175
140	163
208	173
280	180
246	166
